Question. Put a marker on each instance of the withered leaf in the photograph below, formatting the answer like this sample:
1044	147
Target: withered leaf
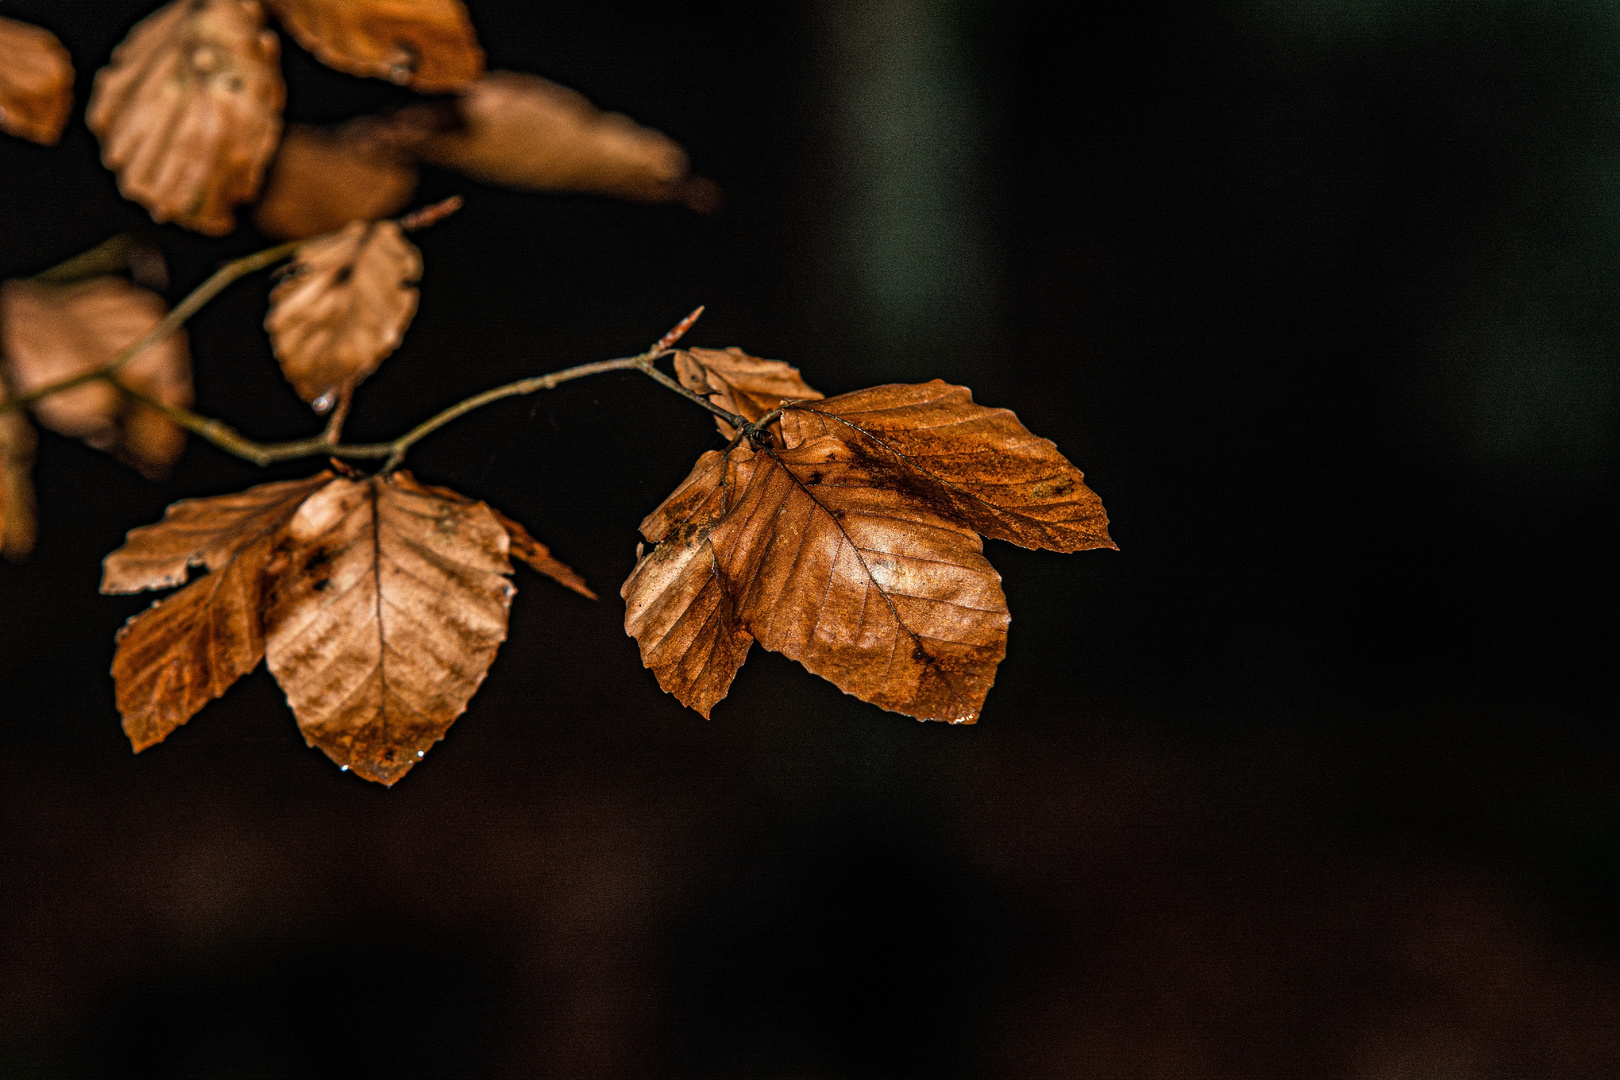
188	649
17	522
527	132
189	110
53	332
428	45
854	549
678	604
524	547
36	82
324	178
979	465
343	307
539	557
386	605
739	383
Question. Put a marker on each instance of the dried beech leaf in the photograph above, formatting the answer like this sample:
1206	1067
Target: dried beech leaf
739	383
53	332
540	558
524	546
17	521
526	132
189	110
677	603
36	82
428	45
979	465
184	651
854	549
343	307
386	604
324	178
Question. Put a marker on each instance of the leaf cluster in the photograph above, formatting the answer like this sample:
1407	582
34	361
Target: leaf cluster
844	532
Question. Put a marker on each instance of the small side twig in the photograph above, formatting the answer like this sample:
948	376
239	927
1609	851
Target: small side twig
340	413
417	220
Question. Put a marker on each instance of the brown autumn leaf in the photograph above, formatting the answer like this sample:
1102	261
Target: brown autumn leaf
854	549
17	521
36	82
185	650
428	45
978	464
188	111
343	307
526	132
739	383
52	332
524	547
324	178
386	604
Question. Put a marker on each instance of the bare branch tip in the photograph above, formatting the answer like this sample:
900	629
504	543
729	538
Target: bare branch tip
417	220
678	332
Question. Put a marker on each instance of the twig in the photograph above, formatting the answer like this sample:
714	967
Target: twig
327	444
417	220
224	276
340	413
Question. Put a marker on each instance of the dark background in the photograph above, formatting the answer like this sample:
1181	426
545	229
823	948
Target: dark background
1313	778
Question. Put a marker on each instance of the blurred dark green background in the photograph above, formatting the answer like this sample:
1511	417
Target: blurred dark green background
1317	776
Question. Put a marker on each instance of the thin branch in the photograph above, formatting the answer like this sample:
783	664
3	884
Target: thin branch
327	444
523	386
234	442
647	369
115	254
108	257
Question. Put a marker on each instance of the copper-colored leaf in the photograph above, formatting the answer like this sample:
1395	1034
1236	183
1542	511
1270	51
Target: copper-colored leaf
386	605
52	332
36	82
678	604
854	549
739	383
17	521
188	649
540	558
324	178
524	546
979	465
189	110
343	307
428	45
526	132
